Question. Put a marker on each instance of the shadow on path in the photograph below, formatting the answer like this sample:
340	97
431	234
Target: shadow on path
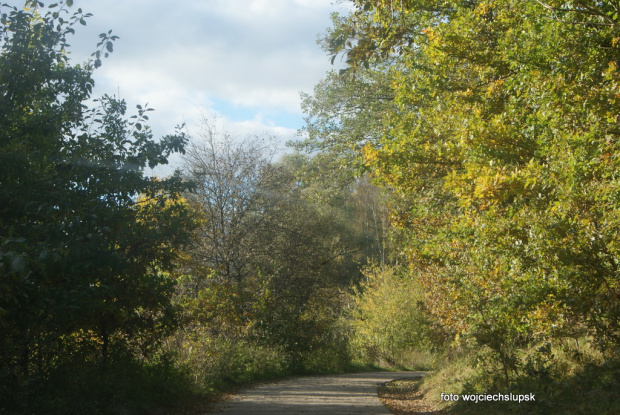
333	394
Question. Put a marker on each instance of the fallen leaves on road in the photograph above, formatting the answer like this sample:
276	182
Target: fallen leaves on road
403	397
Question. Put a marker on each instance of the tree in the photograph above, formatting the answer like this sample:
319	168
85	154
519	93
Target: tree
269	261
342	115
502	149
232	176
83	261
387	319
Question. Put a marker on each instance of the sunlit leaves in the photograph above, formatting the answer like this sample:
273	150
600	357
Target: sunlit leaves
387	319
503	142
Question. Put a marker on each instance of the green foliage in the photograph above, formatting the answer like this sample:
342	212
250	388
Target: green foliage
388	322
500	148
83	262
343	115
125	387
215	363
269	261
262	289
580	381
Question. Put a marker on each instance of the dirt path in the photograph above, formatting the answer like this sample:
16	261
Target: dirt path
325	395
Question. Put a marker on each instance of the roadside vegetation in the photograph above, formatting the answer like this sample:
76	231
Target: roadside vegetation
492	128
451	207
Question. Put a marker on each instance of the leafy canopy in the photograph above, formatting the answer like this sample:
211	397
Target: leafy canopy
502	150
83	261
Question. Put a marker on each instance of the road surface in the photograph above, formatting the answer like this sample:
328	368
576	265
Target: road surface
334	394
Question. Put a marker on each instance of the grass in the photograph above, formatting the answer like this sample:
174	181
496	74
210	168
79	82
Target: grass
590	386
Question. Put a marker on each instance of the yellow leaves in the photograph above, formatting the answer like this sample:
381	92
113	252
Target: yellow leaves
370	154
466	94
82	335
387	313
490	116
480	186
494	88
431	35
611	71
546	316
484	8
486	184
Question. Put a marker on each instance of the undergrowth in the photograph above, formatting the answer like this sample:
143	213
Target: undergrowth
124	386
577	382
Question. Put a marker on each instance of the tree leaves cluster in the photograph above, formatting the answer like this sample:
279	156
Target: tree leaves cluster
388	321
501	146
271	261
83	261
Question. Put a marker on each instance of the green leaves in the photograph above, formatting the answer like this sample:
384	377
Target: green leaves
499	143
387	319
105	45
84	265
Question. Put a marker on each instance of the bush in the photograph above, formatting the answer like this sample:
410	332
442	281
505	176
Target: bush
124	386
388	322
580	380
216	363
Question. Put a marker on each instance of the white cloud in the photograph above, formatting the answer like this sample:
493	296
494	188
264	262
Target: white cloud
184	57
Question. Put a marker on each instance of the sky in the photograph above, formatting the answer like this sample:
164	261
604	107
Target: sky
240	62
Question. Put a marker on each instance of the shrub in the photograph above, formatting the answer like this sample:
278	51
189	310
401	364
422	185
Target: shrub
388	322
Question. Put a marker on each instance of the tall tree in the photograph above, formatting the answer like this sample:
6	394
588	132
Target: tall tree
82	259
503	147
232	175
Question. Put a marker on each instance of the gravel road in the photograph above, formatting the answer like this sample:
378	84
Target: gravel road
336	394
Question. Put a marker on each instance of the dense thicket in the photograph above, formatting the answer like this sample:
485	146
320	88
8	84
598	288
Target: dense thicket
270	265
82	262
496	126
